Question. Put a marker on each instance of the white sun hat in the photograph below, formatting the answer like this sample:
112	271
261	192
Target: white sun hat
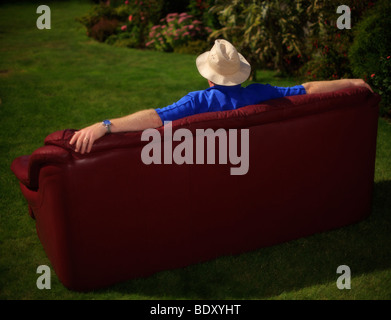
223	64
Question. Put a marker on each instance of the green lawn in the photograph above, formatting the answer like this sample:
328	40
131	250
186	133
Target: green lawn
56	79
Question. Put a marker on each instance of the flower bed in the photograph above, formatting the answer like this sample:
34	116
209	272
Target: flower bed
139	24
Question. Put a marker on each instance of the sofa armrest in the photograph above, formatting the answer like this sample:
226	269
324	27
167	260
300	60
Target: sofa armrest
27	168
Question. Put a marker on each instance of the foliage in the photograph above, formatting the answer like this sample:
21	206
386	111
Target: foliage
283	35
327	45
125	39
381	83
372	40
97	13
200	10
103	29
328	61
371	46
268	33
176	30
195	47
132	17
141	15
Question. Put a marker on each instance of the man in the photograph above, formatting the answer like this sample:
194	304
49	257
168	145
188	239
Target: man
225	69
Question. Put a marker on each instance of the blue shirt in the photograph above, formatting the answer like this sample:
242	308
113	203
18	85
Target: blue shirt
221	98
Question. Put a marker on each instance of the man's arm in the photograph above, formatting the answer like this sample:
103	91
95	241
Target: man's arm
141	120
333	85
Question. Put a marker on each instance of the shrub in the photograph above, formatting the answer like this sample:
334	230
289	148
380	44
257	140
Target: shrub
284	35
381	83
134	17
176	30
270	34
199	9
195	47
97	13
328	46
103	29
124	39
372	40
370	51
329	60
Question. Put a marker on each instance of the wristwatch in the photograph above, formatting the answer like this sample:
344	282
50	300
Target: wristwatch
107	124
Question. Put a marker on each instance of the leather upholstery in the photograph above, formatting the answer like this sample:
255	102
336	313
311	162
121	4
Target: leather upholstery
106	217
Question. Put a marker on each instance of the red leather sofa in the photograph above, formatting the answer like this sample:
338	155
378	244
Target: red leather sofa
106	217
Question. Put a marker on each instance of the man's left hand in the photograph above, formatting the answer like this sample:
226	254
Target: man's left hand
85	138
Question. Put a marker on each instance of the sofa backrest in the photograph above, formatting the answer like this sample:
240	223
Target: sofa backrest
107	216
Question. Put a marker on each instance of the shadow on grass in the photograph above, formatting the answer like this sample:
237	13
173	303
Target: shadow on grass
287	267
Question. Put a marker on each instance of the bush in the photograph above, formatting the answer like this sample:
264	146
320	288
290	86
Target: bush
195	47
200	10
176	30
128	23
103	29
270	34
133	17
372	40
125	39
328	61
327	46
284	34
97	13
369	54
381	83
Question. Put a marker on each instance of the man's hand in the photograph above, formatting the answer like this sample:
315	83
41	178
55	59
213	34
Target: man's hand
334	85
140	120
85	138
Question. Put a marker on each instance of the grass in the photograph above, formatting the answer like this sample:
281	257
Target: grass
56	79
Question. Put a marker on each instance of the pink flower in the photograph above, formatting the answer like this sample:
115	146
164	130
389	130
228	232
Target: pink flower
130	18
372	75
149	43
123	28
181	19
388	57
172	15
126	2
